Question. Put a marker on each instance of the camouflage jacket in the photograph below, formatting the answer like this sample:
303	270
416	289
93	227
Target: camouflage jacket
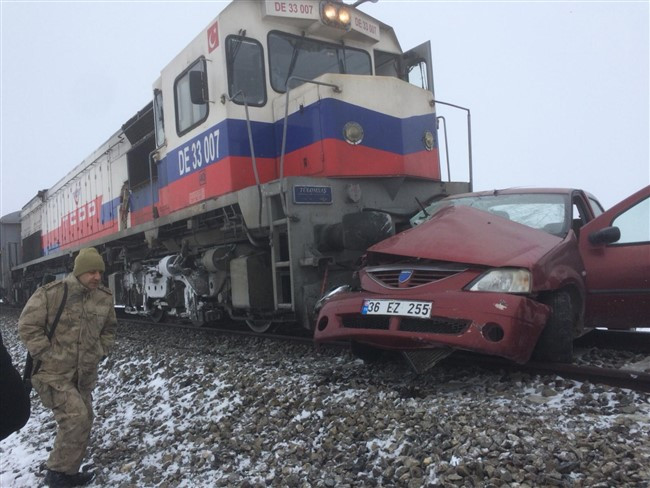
85	332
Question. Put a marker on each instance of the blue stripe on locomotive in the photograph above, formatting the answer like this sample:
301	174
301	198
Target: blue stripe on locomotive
109	210
141	196
321	120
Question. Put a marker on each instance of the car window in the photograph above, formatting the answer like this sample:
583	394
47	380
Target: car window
634	223
580	215
596	207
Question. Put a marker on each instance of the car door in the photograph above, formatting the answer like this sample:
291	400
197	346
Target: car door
618	269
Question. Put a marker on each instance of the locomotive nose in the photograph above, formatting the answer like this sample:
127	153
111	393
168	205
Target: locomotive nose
356	231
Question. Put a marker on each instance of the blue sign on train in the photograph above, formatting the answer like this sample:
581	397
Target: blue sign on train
315	195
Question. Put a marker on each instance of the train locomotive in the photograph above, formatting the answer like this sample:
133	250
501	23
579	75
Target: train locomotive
280	144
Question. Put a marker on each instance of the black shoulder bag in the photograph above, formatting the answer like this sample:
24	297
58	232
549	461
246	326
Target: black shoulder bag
30	367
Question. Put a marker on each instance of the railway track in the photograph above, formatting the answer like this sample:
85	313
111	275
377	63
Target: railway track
622	378
232	329
621	340
618	340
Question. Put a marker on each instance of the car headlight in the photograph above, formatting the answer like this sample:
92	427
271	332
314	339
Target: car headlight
503	281
328	295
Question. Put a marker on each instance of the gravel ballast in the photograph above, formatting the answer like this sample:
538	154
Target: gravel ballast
188	408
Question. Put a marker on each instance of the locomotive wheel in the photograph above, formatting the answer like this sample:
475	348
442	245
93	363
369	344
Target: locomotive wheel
157	316
259	326
199	322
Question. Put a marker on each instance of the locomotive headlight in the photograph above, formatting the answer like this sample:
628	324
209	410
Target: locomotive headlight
344	16
506	280
353	133
428	140
336	15
329	12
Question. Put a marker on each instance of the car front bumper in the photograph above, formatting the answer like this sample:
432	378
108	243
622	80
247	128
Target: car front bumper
489	323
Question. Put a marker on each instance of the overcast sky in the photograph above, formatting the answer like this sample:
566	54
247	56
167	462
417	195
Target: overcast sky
558	91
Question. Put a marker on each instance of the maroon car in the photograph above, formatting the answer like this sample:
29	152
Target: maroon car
505	273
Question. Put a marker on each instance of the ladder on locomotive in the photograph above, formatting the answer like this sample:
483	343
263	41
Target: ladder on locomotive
279	224
281	254
279	220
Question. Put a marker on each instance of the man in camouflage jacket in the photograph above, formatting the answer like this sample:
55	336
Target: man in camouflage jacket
68	373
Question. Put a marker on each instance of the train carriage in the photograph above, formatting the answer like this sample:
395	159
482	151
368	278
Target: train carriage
280	143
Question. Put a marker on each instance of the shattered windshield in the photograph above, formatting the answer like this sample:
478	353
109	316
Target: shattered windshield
543	211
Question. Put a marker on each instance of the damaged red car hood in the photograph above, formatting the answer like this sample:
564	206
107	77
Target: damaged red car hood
468	235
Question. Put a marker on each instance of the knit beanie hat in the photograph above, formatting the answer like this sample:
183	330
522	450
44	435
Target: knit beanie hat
88	259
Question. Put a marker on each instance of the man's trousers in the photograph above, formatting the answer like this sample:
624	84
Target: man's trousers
73	413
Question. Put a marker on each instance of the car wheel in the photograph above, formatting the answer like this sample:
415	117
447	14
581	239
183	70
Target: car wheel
555	343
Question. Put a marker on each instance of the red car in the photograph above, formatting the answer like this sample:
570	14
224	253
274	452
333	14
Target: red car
505	273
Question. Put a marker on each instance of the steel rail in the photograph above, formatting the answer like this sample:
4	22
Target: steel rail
621	340
622	378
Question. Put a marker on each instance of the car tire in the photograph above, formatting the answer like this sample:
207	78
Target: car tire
555	344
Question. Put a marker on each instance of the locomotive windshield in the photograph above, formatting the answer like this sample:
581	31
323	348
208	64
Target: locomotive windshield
308	58
245	70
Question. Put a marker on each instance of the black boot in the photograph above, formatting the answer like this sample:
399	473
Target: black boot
57	479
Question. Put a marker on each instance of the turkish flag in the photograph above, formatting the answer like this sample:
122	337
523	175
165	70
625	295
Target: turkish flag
213	37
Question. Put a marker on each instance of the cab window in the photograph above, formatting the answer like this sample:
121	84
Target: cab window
246	77
308	58
189	114
158	118
386	64
417	75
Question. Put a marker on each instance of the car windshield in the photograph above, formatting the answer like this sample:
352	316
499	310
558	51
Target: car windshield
544	211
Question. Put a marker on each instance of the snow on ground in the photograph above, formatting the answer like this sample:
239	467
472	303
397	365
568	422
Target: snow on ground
187	409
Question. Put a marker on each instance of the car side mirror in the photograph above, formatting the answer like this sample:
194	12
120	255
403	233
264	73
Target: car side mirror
607	235
198	88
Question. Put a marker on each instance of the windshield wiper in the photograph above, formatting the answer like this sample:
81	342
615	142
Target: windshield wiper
422	206
292	63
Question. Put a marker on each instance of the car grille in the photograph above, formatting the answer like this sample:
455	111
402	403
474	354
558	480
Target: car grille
358	321
389	276
434	325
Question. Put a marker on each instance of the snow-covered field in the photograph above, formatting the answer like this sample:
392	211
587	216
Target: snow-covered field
185	409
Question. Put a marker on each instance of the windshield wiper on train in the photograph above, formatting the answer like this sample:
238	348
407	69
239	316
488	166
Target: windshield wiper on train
294	58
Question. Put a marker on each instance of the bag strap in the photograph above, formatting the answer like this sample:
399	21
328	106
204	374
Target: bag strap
59	312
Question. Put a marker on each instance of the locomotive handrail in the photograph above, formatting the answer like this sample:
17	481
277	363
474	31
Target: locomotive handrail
154	209
336	89
444	131
469	139
252	147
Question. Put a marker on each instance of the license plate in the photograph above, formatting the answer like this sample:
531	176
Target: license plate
402	308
